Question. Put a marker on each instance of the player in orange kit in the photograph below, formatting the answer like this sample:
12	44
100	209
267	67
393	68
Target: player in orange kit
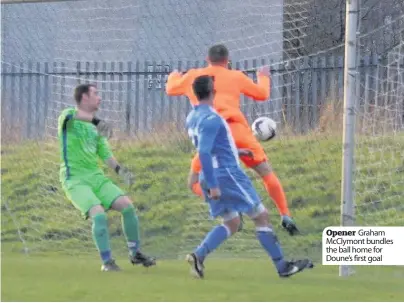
229	85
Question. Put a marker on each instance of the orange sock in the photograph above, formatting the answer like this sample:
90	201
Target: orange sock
275	190
196	188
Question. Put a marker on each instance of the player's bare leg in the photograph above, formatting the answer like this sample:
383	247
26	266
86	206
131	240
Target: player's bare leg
253	156
275	190
193	183
212	241
270	243
101	237
130	226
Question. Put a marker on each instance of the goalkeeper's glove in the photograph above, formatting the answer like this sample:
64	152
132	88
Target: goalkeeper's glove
103	128
125	174
289	225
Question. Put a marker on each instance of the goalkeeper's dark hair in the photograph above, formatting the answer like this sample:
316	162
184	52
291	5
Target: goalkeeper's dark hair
80	90
203	87
218	53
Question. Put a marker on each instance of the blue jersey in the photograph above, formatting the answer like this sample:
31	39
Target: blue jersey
212	138
221	168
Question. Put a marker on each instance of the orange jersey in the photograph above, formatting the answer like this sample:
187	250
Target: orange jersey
229	85
244	138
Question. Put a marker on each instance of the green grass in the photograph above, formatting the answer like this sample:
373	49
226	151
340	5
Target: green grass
170	215
69	279
37	216
173	220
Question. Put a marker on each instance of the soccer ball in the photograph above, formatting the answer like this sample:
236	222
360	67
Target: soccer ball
264	128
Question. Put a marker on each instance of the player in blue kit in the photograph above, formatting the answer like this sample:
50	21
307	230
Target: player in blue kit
226	187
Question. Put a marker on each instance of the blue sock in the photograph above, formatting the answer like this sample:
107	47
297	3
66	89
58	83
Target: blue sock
212	241
271	245
105	256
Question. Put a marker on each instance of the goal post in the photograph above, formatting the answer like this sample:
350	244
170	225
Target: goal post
373	130
349	116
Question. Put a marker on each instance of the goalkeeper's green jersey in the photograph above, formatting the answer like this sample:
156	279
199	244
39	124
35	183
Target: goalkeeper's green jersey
81	146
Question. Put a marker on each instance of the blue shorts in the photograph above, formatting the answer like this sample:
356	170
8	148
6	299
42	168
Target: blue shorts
237	193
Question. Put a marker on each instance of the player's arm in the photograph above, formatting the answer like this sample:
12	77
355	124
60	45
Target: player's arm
177	83
106	155
207	134
259	91
102	127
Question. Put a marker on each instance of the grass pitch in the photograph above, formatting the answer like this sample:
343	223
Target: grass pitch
60	278
37	216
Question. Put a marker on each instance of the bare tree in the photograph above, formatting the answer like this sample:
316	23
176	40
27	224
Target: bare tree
313	26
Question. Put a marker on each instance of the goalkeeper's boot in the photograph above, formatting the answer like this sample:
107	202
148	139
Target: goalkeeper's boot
110	265
197	267
293	267
140	258
289	225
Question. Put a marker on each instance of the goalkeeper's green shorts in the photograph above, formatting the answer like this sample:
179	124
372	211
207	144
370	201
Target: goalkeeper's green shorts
91	190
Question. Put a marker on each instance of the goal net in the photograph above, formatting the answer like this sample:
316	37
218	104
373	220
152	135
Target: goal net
379	166
127	48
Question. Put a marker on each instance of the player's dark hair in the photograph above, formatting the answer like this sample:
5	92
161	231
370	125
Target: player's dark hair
80	90
203	87
218	53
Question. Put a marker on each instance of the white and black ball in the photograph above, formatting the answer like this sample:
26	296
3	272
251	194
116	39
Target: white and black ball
264	128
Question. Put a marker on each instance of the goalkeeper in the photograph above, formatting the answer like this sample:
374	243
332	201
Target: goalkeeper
229	85
226	187
83	142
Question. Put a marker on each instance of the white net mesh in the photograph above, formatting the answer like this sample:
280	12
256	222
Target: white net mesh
128	48
379	172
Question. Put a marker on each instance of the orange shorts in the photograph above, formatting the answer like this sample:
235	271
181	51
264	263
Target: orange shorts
244	138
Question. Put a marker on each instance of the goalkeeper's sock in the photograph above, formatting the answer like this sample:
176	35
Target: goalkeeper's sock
130	226
275	190
271	245
212	241
101	236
